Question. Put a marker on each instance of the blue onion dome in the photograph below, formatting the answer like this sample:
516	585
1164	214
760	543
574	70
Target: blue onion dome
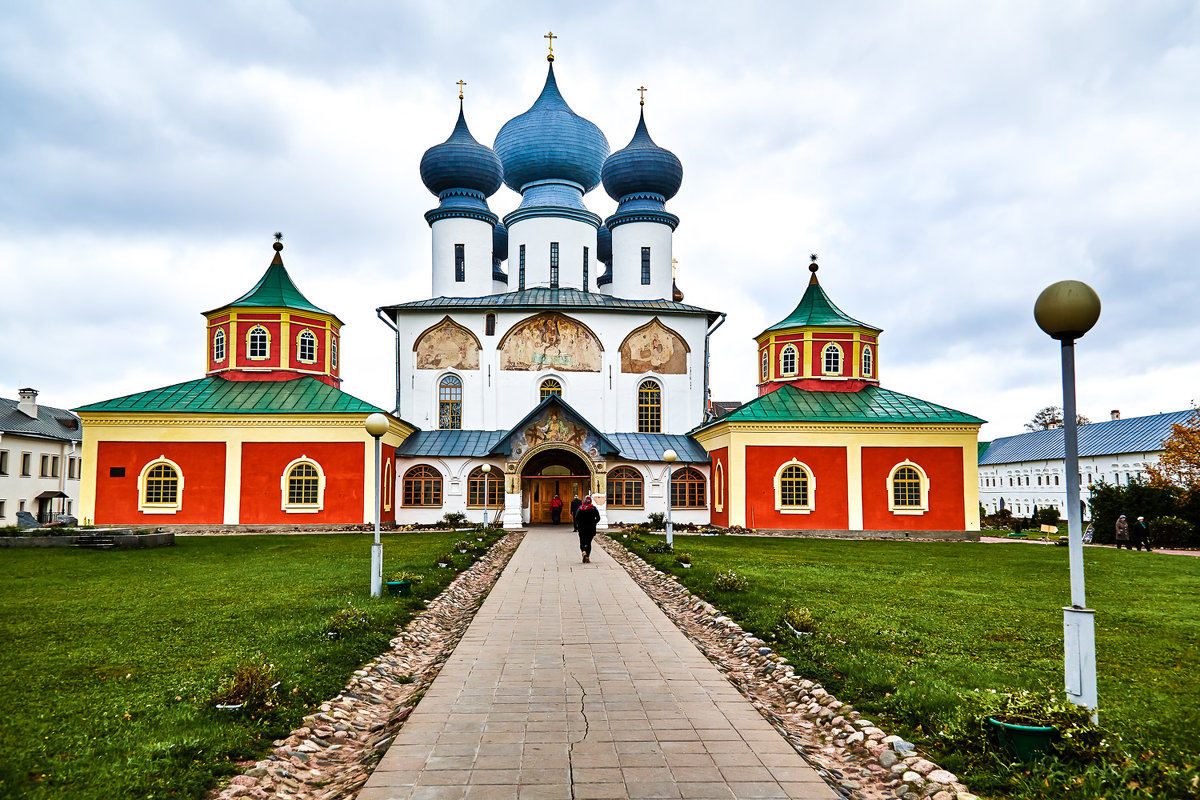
500	242
551	142
642	167
604	245
460	162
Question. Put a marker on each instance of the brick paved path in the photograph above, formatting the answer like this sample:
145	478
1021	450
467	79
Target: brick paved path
570	683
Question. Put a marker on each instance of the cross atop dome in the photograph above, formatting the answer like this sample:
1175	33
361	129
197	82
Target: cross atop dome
551	37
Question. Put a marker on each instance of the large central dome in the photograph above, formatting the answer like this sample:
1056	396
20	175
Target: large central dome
551	142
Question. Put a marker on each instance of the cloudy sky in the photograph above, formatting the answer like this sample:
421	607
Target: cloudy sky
946	160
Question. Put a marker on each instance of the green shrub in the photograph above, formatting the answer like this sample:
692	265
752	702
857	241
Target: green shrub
346	621
799	619
660	547
730	581
683	558
415	577
454	519
1172	532
250	690
657	522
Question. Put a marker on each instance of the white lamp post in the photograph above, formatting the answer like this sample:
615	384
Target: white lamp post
669	456
487	472
377	425
1067	310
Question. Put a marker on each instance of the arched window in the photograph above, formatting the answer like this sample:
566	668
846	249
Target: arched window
787	360
306	346
649	410
719	487
387	485
868	362
333	352
423	487
831	357
489	325
908	489
766	364
625	488
160	487
450	403
795	488
303	486
219	346
480	483
689	489
550	386
258	343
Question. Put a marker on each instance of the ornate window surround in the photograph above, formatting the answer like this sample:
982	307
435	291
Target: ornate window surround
825	359
924	491
303	337
719	486
159	507
868	361
250	343
808	507
218	354
285	481
784	368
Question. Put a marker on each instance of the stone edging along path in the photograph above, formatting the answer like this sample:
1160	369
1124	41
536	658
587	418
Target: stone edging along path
333	752
851	752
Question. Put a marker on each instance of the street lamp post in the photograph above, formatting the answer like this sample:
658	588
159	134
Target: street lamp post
487	473
1067	310
669	456
377	425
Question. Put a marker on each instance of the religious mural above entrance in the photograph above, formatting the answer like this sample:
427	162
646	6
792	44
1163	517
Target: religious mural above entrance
447	345
654	348
555	427
551	341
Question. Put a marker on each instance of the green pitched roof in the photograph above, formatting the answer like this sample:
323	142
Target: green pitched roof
817	310
274	290
869	404
983	448
216	395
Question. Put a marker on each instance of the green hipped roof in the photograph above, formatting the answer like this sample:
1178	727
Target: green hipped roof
216	395
869	404
817	310
274	290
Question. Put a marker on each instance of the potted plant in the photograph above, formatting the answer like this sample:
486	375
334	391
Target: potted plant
684	560
445	560
401	583
1026	724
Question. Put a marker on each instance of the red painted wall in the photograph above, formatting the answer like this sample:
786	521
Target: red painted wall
943	466
229	347
828	465
719	517
318	330
262	468
203	468
273	326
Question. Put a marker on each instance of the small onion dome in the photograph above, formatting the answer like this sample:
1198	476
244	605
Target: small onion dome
676	295
500	242
642	166
604	245
551	142
460	162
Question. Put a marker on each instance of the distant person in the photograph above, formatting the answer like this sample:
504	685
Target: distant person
556	510
1122	533
1141	534
586	520
575	504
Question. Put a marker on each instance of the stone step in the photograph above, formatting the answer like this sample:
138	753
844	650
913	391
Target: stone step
95	542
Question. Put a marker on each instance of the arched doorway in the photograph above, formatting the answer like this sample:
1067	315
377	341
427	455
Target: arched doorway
551	471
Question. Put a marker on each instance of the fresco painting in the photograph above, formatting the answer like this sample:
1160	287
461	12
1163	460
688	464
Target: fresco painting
555	427
551	341
654	348
447	345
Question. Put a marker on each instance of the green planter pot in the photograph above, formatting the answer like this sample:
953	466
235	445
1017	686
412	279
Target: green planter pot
398	588
1026	742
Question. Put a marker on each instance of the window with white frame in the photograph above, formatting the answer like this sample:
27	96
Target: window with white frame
306	346
218	346
719	487
908	489
868	361
795	488
831	358
787	360
160	487
387	485
258	343
333	352
302	486
766	364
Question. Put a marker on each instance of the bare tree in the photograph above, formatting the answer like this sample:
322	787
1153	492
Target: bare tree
1052	417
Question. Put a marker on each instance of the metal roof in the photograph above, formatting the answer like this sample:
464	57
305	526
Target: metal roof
650	447
606	446
216	395
478	444
1111	437
817	310
540	298
51	423
869	404
274	289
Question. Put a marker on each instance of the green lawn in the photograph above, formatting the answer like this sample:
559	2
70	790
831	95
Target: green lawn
904	628
109	659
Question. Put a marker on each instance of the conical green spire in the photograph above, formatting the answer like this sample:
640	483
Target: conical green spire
275	289
817	310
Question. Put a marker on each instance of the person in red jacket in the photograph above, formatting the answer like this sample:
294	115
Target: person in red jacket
556	510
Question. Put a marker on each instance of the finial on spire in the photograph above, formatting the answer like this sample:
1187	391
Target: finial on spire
278	241
641	95
551	37
813	269
461	84
674	266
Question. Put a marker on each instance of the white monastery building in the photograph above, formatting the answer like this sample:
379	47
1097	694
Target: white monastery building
39	459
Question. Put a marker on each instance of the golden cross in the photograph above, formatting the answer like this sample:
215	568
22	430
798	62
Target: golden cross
641	95
551	37
674	264
461	84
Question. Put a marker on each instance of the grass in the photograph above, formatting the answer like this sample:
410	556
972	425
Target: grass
911	631
111	660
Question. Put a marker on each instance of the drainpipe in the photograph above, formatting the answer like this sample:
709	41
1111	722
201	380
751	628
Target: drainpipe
706	410
396	330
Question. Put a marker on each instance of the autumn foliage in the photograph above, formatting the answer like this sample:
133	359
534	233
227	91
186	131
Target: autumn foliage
1179	463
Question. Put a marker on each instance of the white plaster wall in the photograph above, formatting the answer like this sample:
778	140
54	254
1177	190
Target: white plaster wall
628	241
14	488
536	233
476	235
1116	469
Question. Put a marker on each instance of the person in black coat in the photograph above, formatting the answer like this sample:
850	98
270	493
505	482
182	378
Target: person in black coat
575	504
586	520
1140	534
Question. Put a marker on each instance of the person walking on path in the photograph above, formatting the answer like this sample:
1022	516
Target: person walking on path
1123	533
556	510
1141	534
575	504
586	520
